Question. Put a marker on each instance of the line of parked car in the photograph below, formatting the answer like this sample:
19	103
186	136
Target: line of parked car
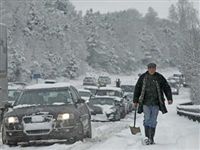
59	111
107	103
176	82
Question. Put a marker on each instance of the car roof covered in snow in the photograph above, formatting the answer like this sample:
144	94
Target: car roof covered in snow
84	90
47	86
111	88
15	87
111	97
90	87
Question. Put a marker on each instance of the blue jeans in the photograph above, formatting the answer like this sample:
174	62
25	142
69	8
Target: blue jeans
150	115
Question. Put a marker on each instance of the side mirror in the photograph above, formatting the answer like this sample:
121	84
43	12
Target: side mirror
8	105
80	101
125	96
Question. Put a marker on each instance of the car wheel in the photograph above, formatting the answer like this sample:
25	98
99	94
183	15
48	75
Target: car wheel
123	114
4	140
118	116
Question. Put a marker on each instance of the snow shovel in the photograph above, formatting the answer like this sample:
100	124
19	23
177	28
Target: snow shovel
135	130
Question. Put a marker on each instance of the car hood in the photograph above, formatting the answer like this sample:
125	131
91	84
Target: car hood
52	110
106	109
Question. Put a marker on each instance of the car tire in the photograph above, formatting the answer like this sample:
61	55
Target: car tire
4	140
118	116
123	115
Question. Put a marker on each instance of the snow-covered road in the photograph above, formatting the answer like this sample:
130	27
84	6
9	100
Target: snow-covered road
173	133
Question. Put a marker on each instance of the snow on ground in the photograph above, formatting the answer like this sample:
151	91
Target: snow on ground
173	132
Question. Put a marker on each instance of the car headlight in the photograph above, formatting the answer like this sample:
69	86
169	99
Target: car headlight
65	116
13	120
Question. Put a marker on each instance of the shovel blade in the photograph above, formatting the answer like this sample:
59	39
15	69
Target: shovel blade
135	130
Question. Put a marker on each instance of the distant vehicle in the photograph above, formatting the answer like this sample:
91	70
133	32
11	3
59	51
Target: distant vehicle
174	80
128	88
105	108
91	81
110	91
85	94
45	112
115	92
104	80
175	91
92	89
174	87
182	79
129	97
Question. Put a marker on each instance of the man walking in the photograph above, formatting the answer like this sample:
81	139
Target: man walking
149	98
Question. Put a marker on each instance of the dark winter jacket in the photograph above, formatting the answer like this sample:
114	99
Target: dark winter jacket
150	96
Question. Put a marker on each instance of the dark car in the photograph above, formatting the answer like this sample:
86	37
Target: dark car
182	79
45	112
91	81
174	87
107	107
128	88
176	80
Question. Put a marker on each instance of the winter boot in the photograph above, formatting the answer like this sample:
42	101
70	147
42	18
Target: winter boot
146	129
146	139
151	135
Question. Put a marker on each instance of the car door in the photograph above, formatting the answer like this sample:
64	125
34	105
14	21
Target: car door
82	108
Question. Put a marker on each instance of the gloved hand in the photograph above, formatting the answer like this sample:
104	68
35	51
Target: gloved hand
170	102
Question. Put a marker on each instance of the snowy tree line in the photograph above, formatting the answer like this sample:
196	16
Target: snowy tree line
51	38
187	19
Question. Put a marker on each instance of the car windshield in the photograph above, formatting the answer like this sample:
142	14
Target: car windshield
45	97
103	78
89	79
93	91
108	93
102	101
84	94
13	95
127	88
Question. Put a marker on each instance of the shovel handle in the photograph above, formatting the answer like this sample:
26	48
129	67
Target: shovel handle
135	116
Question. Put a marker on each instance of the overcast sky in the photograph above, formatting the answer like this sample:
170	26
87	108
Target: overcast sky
161	6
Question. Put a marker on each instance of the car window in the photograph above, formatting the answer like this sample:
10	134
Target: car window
84	94
76	92
109	93
74	95
102	101
45	97
13	95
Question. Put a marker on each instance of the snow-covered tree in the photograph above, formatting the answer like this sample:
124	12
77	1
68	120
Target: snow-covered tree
151	16
173	16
